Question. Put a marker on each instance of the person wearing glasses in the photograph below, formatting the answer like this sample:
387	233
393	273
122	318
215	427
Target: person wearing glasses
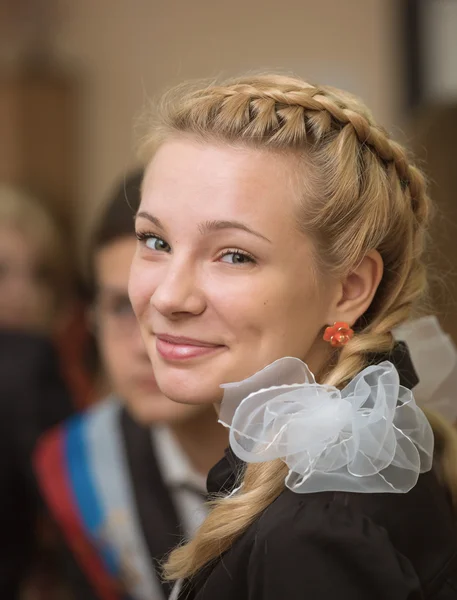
126	480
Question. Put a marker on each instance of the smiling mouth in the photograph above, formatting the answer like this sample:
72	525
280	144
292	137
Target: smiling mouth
174	348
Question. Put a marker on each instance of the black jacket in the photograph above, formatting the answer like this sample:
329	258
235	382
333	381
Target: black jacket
338	546
33	397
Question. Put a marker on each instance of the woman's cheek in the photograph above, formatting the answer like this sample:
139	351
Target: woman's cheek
236	298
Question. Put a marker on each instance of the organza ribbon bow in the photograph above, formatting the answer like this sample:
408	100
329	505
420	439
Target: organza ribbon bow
434	356
369	437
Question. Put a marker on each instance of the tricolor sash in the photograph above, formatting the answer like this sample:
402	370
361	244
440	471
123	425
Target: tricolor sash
84	475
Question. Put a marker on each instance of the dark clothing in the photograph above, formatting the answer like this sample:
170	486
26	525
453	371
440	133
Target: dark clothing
338	546
156	511
32	390
33	397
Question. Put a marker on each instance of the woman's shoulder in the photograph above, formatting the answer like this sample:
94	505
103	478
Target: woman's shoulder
393	512
403	534
296	521
322	546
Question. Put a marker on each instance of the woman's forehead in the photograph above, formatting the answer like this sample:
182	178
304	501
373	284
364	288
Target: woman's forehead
216	182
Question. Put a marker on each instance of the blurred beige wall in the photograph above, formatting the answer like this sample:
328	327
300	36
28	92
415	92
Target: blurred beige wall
127	50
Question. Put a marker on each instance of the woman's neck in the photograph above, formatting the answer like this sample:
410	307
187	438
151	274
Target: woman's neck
202	439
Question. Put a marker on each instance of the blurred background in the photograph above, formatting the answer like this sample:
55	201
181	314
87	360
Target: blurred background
76	76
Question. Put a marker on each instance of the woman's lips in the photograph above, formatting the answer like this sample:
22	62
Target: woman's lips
181	348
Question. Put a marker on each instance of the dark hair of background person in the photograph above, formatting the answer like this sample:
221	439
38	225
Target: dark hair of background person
115	221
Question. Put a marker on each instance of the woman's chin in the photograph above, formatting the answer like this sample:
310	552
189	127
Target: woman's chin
189	392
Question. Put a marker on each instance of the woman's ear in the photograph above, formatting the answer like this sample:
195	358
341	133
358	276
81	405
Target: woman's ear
358	289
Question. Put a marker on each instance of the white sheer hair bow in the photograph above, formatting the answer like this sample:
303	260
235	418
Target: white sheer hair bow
434	357
369	437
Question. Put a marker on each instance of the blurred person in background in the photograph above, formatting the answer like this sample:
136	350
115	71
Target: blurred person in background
124	492
38	285
36	282
35	278
33	398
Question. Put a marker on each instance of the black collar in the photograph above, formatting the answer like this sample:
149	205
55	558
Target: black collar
227	473
399	356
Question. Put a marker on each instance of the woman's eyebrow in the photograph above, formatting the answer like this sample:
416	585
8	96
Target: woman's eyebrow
210	226
151	218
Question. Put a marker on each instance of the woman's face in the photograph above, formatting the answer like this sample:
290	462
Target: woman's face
222	282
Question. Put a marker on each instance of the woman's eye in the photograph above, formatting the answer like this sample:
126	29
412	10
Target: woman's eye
156	243
236	258
153	242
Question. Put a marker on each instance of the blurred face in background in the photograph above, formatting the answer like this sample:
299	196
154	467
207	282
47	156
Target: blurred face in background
122	350
27	298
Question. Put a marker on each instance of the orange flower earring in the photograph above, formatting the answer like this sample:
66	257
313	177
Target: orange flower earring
338	334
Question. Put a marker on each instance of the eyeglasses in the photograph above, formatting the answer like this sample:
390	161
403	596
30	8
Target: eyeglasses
113	314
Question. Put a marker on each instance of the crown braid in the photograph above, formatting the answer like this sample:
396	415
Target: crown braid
294	113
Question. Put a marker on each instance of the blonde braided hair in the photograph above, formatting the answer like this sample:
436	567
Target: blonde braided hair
360	193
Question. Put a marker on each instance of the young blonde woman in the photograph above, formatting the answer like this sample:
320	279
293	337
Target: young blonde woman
281	234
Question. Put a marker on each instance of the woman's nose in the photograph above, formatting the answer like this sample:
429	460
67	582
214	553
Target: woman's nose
178	292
